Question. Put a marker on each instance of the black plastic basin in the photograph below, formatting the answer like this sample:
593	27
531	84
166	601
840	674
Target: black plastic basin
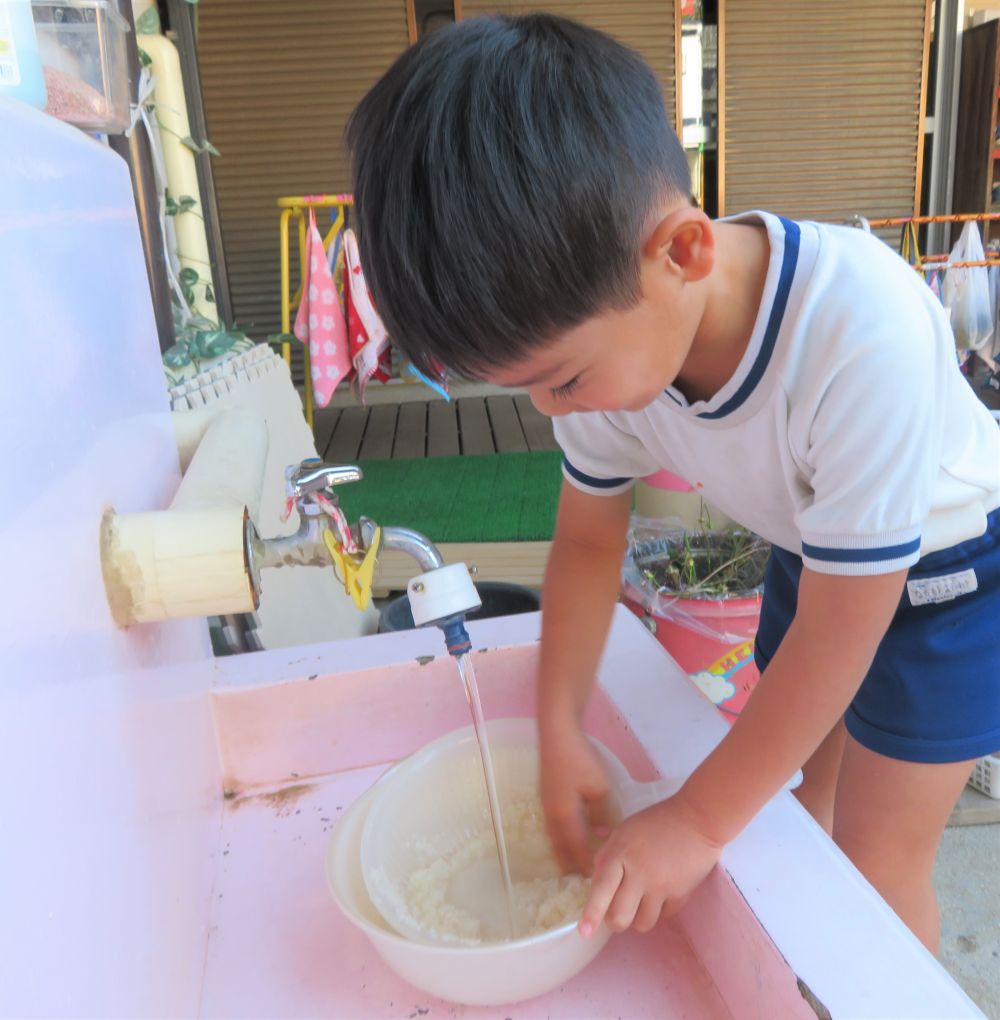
499	599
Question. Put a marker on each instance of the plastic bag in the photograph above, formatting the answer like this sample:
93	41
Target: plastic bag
991	351
674	572
966	292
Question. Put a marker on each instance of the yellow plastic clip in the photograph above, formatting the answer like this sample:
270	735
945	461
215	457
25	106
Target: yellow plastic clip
358	576
338	556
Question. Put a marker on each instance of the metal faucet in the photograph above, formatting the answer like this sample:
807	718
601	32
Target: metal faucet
422	549
312	475
307	486
439	595
303	484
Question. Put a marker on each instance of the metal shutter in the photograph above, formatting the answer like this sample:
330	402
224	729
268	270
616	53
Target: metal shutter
279	81
651	27
821	106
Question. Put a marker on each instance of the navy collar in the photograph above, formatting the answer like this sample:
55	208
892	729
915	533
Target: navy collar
779	303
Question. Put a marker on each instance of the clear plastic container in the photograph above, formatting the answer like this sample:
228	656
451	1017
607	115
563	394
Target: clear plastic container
20	69
85	63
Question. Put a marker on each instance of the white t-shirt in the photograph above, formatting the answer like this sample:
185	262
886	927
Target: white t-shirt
847	434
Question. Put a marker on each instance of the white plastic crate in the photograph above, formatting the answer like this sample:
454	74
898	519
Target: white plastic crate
986	775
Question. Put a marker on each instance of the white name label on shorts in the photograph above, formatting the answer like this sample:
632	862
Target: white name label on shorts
926	590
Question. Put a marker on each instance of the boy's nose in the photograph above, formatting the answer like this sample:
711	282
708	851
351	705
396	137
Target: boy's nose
546	403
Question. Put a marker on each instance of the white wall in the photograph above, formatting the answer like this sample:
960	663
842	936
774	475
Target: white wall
109	783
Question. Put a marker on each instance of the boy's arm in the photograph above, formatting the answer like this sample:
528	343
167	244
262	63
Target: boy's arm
658	856
581	587
819	666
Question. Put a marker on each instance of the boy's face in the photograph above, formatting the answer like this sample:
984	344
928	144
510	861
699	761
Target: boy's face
622	360
616	361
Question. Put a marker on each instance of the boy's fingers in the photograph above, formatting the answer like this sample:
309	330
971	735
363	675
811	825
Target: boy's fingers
648	913
568	836
600	815
625	905
602	891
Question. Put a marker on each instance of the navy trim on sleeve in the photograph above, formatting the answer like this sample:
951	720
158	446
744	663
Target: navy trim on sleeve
890	552
594	483
789	261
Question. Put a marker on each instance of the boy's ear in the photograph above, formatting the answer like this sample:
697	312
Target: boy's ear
685	241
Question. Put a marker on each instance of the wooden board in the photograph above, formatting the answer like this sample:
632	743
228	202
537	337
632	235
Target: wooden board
324	422
508	436
411	431
537	428
442	429
433	428
379	433
976	123
475	433
346	439
516	562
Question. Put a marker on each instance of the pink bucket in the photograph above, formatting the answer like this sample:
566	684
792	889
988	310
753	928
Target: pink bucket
715	649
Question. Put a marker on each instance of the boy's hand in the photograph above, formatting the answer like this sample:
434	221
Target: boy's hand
651	863
574	789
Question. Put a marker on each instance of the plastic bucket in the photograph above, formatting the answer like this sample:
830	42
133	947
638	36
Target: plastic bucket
499	599
713	643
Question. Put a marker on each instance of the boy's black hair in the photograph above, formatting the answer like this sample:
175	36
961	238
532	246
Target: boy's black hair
504	171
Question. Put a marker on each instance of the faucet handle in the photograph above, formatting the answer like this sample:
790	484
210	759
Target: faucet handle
312	475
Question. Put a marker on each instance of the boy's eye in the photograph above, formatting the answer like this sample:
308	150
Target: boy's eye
566	389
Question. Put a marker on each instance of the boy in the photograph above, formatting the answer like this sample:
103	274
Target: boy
524	214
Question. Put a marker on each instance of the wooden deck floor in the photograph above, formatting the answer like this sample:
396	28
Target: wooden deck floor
433	428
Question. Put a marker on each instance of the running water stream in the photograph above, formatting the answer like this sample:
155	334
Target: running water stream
468	675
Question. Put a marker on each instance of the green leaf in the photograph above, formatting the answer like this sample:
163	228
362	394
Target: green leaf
190	143
149	22
170	207
144	58
188	293
213	343
185	202
281	338
208	147
188	275
177	356
209	293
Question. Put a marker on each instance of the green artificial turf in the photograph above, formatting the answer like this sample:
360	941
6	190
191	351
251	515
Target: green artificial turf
499	497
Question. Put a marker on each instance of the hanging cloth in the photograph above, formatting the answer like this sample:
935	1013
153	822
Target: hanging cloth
908	246
367	337
319	321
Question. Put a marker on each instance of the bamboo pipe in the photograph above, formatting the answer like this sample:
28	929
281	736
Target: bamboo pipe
193	559
228	467
190	426
182	169
174	563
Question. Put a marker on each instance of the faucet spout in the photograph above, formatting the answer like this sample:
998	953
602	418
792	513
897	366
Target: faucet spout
421	548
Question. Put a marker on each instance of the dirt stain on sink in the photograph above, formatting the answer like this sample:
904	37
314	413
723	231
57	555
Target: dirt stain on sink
282	802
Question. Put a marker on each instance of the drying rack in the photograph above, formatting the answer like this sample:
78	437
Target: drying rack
929	263
295	209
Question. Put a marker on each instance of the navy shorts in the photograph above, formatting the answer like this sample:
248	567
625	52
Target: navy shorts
932	693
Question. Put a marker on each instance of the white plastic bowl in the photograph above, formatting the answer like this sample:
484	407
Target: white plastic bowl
486	975
434	804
